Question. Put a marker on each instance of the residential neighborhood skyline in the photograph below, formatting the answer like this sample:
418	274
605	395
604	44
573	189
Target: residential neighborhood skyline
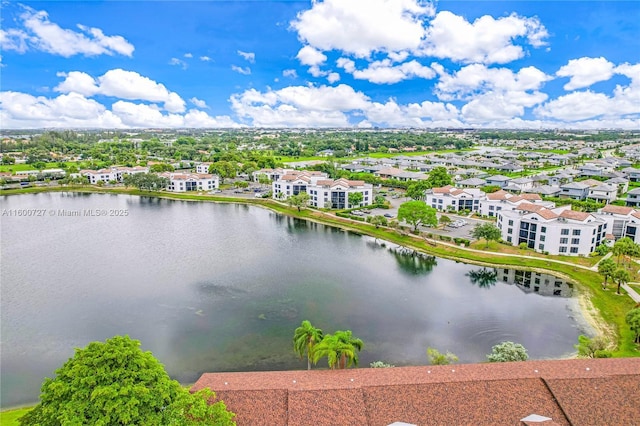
338	64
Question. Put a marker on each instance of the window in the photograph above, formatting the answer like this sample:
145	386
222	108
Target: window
508	239
564	232
542	237
576	232
543	229
563	249
574	250
564	240
491	207
575	241
510	222
509	230
541	247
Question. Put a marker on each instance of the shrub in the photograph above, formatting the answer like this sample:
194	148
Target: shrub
380	364
523	246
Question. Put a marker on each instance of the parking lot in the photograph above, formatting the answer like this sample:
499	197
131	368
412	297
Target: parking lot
462	231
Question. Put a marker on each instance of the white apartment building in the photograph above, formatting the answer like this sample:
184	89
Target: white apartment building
203	168
448	198
272	174
500	200
329	193
183	182
113	174
323	192
556	231
621	221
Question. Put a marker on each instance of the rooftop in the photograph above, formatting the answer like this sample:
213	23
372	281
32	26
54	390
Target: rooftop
570	392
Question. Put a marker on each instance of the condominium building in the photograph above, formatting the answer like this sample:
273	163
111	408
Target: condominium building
184	182
491	204
556	231
448	198
113	174
323	192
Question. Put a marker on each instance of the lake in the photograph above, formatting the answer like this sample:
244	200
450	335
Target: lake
221	287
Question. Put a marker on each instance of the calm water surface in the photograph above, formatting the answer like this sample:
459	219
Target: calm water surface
214	287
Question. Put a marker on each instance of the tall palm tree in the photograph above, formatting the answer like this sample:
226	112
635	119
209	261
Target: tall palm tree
305	338
607	268
341	349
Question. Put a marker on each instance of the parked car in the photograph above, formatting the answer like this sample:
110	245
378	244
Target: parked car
389	215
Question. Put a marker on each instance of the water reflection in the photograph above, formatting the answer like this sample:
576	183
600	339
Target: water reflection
483	278
536	282
413	262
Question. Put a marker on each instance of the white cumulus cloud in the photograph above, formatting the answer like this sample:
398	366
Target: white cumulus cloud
486	40
385	72
360	27
198	102
122	84
40	33
583	72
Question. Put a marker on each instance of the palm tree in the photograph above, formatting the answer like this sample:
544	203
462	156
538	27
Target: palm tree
341	349
607	268
622	277
305	338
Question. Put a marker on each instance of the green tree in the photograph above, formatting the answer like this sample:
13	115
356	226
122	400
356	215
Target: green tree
437	358
488	231
378	221
300	200
161	167
438	177
621	276
607	268
305	338
508	351
623	247
224	169
592	347
116	383
417	190
417	213
633	320
445	220
355	199
341	349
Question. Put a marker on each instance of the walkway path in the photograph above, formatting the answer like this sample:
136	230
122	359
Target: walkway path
631	292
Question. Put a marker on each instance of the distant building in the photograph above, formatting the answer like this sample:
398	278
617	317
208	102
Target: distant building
185	182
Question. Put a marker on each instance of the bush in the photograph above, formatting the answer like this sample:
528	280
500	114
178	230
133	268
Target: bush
380	364
523	246
445	238
461	241
508	351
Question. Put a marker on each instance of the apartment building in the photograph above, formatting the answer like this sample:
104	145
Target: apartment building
448	198
556	231
323	192
184	182
493	203
113	174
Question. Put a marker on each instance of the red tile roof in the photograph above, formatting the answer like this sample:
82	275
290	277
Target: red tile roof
498	195
609	208
578	391
575	215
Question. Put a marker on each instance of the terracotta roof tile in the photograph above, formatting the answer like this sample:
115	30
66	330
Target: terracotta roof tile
498	195
589	391
531	197
442	190
609	208
574	215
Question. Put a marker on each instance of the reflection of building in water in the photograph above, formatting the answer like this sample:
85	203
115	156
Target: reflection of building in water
529	281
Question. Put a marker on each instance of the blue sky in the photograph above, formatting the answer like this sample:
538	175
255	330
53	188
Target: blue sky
330	63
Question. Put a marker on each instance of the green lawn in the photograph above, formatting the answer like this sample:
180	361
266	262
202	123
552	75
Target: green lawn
22	167
10	417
